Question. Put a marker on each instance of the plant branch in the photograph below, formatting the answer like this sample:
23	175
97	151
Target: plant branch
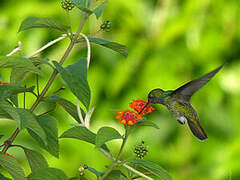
125	165
44	91
118	156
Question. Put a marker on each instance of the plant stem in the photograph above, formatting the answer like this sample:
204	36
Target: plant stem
125	165
50	81
118	156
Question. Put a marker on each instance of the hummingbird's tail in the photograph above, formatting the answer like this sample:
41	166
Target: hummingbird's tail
197	130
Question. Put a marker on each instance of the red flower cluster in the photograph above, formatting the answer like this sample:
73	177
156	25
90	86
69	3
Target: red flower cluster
3	83
138	104
131	117
9	155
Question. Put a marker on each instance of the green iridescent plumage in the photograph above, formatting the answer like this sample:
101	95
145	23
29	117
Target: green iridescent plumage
178	102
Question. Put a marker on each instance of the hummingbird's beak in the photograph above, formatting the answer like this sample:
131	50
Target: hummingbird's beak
143	107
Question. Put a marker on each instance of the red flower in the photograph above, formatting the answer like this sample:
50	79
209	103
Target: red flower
9	155
138	104
3	83
128	117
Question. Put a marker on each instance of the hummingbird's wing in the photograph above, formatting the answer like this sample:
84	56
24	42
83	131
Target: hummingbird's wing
197	129
184	93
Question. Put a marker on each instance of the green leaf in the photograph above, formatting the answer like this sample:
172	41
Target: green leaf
82	6
99	10
147	123
1	135
48	174
39	61
114	175
68	106
81	133
7	91
49	125
35	159
94	171
153	168
12	112
75	77
106	134
35	22
30	122
19	62
3	177
123	50
12	167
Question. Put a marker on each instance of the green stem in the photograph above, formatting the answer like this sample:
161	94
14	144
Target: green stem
123	143
118	156
50	81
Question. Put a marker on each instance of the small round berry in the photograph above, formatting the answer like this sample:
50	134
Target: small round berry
67	5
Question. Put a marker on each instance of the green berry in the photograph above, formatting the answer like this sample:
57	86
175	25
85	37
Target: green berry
141	150
67	5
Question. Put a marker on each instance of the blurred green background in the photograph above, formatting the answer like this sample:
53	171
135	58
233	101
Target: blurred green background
170	42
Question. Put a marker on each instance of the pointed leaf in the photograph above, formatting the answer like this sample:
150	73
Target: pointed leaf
99	10
38	61
48	174
106	134
34	22
75	77
114	175
68	106
3	177
18	62
12	167
82	6
35	159
123	50
30	122
81	133
49	125
12	112
147	123
153	168
94	171
7	91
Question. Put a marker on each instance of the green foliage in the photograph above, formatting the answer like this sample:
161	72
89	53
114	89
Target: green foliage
3	178
106	134
35	22
99	10
94	171
81	133
12	167
6	91
111	45
146	123
48	174
82	6
114	175
18	62
75	76
153	168
35	159
68	106
49	125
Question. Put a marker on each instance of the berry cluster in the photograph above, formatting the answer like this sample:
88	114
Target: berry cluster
106	26
141	150
67	5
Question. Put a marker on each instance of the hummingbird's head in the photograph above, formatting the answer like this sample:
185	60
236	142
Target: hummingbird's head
156	96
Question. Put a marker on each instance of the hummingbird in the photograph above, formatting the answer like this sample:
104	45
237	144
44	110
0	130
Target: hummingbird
178	102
